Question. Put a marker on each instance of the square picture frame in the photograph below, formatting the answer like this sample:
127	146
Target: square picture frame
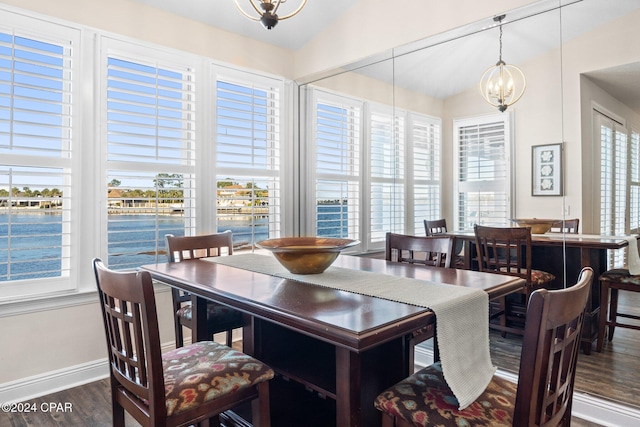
546	170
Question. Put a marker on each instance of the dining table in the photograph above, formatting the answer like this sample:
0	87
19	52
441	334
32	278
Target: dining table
341	348
564	255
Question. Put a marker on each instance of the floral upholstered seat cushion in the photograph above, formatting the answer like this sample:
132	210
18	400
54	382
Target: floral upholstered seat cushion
538	277
620	275
216	313
425	399
206	370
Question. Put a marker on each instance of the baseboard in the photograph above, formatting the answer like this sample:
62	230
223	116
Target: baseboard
585	406
50	382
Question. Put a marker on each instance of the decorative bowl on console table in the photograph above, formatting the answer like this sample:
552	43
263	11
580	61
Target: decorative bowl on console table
538	226
306	255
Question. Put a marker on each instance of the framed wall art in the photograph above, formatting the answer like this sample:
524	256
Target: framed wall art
546	172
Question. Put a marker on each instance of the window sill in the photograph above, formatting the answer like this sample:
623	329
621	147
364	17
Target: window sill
57	301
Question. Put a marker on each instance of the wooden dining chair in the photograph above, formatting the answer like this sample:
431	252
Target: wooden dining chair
568	226
184	386
439	226
611	283
220	318
507	250
435	227
543	395
432	250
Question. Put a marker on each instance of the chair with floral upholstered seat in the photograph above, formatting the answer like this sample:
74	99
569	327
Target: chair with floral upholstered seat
507	250
185	386
220	318
543	395
611	283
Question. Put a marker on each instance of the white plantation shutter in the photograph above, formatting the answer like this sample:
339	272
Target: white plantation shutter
425	148
150	144
387	173
38	67
614	181
248	157
483	171
337	133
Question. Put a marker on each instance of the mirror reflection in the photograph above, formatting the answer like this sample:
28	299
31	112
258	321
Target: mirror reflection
434	148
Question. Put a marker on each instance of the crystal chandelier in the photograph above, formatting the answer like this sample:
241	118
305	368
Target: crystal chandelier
267	11
502	85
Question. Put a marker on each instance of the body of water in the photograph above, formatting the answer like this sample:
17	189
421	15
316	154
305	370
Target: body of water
133	240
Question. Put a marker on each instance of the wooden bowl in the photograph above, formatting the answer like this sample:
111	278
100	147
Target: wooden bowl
306	255
538	226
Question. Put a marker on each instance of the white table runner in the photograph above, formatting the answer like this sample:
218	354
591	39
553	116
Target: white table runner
462	314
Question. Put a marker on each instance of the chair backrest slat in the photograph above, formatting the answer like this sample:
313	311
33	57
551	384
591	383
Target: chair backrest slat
569	226
551	344
433	250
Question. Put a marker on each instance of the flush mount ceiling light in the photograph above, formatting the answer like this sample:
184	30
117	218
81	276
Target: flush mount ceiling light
502	85
266	10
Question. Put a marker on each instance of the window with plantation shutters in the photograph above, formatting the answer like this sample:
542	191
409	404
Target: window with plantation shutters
425	163
337	154
38	70
387	199
150	136
614	181
482	171
248	157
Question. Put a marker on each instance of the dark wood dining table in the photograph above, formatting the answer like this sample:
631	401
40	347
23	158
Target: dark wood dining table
344	347
564	255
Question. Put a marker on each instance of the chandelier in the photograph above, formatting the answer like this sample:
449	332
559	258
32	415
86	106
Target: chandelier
502	85
267	11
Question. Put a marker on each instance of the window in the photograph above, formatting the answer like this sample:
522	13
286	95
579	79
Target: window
619	181
482	147
424	148
374	169
387	173
336	166
248	150
38	71
150	143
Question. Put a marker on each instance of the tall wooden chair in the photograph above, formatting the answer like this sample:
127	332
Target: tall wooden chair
568	226
435	251
184	386
543	395
432	251
435	227
611	283
220	318
439	226
508	251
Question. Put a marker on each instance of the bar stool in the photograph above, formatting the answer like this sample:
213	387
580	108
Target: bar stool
611	282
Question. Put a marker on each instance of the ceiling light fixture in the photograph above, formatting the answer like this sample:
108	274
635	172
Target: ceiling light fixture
502	85
267	11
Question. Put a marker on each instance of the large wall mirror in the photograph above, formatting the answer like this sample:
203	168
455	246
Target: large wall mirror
406	136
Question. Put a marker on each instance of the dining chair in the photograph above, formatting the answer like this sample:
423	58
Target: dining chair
184	386
439	226
435	227
507	250
568	226
611	282
220	318
543	395
433	251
